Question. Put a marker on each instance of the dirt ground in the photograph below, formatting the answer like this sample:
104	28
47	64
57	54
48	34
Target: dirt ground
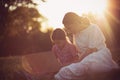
39	66
40	63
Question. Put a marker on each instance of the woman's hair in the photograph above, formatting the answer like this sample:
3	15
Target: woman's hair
58	34
71	17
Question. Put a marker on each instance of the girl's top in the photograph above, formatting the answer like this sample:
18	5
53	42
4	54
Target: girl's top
67	54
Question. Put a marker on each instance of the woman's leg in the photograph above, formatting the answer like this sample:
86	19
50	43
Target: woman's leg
71	72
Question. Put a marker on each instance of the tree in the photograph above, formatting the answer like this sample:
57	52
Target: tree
20	28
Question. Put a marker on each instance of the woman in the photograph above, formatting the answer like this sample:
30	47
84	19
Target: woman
90	40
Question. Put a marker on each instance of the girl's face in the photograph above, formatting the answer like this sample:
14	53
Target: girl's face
60	43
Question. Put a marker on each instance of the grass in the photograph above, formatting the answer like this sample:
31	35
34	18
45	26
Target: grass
11	68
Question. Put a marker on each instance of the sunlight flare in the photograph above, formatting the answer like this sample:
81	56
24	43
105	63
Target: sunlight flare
94	6
54	10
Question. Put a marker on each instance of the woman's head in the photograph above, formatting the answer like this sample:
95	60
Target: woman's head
75	23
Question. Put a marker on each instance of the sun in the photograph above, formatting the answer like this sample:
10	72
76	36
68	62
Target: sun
54	10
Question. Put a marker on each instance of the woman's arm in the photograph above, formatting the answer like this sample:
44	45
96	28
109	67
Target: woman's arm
88	51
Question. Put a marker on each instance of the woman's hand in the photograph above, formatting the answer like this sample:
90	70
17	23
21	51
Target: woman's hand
90	50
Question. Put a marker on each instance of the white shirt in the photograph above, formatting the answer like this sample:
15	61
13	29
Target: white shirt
92	37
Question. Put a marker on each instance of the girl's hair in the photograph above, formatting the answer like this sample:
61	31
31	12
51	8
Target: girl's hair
71	17
58	34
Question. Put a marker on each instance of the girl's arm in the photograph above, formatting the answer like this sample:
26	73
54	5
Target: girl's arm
59	62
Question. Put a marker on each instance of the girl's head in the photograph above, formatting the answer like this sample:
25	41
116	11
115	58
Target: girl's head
58	34
58	37
75	23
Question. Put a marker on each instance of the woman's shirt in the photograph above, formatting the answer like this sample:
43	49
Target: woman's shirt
91	37
67	54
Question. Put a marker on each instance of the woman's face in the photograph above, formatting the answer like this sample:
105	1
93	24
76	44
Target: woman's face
73	27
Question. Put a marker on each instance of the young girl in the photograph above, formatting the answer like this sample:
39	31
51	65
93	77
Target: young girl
64	51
